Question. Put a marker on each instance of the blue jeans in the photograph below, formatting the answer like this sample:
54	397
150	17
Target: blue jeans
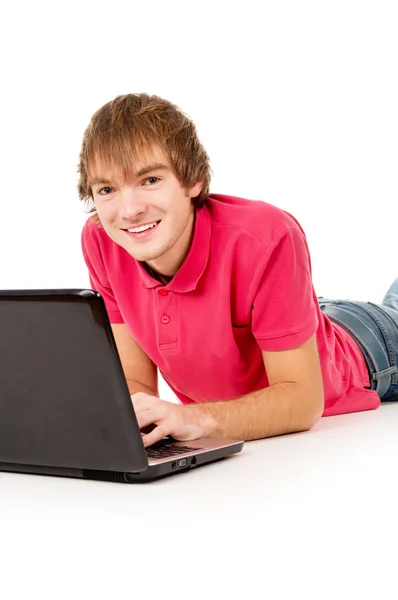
374	327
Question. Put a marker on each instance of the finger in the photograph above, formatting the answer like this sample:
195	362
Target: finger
155	436
138	396
142	401
137	400
148	417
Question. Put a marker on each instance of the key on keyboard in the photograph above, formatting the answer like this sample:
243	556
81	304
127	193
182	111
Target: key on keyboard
167	449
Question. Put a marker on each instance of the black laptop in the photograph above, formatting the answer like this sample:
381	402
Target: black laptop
65	407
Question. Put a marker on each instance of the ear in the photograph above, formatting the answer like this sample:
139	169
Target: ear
196	189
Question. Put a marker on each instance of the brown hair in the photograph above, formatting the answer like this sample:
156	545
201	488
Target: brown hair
128	127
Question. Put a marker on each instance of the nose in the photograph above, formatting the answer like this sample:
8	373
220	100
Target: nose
131	204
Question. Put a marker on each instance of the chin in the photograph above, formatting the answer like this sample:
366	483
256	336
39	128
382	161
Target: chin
142	256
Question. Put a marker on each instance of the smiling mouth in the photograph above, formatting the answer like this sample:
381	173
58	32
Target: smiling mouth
142	230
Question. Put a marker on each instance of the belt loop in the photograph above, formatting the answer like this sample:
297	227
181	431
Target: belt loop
379	374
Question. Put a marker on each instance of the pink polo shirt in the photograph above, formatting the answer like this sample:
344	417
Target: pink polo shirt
244	287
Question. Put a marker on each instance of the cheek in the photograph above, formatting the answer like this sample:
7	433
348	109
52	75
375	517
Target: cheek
105	212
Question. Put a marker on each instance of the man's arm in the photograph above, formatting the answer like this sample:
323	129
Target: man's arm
293	402
140	371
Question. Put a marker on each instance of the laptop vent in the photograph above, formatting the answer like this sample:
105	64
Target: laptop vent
104	475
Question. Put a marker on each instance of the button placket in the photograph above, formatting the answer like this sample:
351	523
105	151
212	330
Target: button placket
167	319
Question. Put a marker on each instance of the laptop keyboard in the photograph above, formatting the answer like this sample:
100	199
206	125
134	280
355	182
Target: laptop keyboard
165	449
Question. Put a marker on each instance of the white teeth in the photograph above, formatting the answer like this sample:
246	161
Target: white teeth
142	228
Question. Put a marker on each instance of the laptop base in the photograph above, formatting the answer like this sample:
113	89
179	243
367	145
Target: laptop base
154	471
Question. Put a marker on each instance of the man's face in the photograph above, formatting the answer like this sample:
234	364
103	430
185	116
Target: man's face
151	217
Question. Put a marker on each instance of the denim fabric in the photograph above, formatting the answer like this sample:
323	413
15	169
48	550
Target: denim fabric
375	329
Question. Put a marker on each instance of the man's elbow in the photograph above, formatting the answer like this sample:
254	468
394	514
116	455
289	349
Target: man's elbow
314	411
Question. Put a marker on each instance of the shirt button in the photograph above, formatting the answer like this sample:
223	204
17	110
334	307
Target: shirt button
163	292
165	319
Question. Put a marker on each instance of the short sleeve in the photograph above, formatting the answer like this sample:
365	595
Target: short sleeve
284	314
97	273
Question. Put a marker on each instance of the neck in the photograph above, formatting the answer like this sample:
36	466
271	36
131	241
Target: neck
163	279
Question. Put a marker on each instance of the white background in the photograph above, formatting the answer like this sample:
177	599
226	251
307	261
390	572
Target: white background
296	103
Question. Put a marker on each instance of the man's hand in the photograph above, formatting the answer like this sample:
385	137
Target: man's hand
183	423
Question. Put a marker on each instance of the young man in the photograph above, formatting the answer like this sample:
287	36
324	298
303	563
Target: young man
216	291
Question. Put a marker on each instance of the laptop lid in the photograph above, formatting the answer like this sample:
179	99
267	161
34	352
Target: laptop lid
64	400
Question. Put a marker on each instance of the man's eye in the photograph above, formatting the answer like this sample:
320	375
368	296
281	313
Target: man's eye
151	180
104	191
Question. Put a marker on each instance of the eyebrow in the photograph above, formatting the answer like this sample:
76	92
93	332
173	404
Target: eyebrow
153	167
144	171
99	180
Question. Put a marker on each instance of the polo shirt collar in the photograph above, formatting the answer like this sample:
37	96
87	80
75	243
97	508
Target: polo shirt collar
191	270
